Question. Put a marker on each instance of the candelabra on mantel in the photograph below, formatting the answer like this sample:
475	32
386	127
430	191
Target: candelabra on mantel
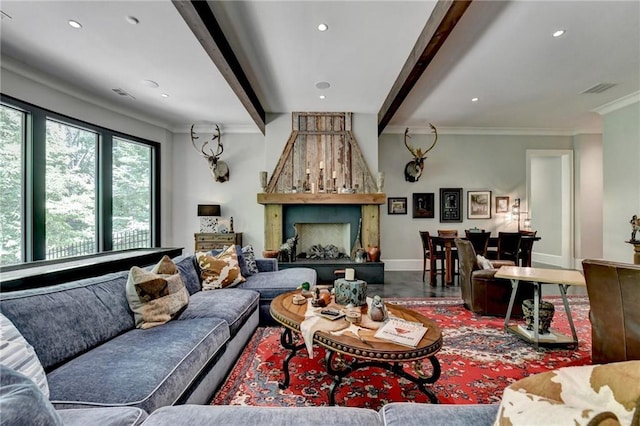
321	177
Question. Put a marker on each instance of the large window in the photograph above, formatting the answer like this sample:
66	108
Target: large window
70	188
12	136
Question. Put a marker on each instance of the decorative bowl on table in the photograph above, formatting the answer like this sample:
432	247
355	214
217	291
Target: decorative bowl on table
270	254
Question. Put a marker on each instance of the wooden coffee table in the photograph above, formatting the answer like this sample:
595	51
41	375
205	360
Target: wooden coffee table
346	353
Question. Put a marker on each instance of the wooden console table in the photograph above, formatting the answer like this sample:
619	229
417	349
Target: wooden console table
209	241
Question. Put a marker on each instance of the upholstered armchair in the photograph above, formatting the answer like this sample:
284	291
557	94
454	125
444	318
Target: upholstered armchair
614	299
482	293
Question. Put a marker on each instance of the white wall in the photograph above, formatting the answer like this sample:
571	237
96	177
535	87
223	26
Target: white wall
36	89
472	162
588	196
621	171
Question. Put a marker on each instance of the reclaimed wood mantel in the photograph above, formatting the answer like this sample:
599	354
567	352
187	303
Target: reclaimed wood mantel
319	198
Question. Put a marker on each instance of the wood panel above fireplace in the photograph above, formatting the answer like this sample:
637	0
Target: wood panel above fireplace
302	198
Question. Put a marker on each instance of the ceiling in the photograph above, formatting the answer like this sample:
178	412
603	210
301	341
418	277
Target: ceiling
500	52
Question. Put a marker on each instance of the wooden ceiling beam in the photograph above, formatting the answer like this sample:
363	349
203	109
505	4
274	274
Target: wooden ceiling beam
441	23
200	19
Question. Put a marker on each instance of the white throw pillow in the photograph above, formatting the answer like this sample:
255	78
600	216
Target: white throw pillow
17	354
483	262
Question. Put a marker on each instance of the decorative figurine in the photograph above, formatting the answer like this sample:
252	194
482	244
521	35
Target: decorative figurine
635	226
378	311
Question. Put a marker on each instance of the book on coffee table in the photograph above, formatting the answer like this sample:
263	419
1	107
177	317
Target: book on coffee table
402	332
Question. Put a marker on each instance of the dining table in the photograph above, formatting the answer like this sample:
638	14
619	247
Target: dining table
447	242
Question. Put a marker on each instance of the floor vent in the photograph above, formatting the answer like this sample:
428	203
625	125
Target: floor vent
599	88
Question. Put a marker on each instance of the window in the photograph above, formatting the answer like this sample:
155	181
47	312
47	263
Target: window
71	191
12	136
70	188
131	195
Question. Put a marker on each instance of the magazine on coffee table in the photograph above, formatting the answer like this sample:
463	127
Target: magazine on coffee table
402	332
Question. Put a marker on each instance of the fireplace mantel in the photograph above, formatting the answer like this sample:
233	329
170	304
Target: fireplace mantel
321	198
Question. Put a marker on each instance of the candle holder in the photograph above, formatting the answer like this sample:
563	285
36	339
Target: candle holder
307	184
321	180
335	187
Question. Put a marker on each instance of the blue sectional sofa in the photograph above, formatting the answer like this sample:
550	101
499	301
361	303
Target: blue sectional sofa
102	370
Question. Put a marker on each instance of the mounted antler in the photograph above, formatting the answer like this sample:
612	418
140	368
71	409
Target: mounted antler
413	169
219	169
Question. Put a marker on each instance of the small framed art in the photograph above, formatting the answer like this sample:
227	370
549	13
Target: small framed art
397	205
502	204
479	204
423	205
450	205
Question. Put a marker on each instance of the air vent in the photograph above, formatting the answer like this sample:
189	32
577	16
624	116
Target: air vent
599	88
121	92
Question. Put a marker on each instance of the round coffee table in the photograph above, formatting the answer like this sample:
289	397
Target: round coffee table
363	352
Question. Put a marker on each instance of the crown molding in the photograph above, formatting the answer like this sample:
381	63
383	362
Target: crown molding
498	131
618	103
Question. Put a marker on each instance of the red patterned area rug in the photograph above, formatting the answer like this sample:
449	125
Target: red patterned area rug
478	361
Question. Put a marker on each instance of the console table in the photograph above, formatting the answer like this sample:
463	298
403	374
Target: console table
209	241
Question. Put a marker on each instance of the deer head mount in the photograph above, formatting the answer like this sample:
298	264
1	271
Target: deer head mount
219	168
413	169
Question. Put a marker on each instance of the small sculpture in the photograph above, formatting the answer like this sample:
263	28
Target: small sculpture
635	226
378	311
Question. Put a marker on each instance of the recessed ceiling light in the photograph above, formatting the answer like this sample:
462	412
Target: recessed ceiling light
75	24
474	99
322	96
323	85
132	20
164	95
559	33
323	27
150	83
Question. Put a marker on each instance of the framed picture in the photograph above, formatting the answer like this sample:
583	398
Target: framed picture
450	205
502	204
479	204
423	205
397	205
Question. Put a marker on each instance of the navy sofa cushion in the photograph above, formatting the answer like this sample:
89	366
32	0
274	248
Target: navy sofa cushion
71	318
189	273
111	416
272	284
244	415
230	304
147	369
412	414
22	402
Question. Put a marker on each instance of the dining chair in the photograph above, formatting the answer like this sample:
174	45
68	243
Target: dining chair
429	252
454	249
526	247
479	240
509	246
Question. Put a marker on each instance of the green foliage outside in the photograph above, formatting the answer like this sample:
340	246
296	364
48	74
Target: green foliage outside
11	125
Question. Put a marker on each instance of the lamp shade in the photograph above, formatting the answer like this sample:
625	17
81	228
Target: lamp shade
208	209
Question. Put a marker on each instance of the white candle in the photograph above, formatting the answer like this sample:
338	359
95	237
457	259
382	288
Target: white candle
349	274
334	174
313	188
322	164
308	171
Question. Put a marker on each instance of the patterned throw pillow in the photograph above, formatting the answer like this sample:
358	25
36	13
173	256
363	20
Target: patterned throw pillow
221	270
156	296
250	259
605	394
17	354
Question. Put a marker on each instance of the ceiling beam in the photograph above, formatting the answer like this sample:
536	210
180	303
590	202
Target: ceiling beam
441	23
200	19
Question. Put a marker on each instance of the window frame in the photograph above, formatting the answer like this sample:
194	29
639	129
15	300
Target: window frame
34	185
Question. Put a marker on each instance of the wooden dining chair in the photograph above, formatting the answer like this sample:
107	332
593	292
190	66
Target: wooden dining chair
454	249
509	246
479	240
429	252
526	246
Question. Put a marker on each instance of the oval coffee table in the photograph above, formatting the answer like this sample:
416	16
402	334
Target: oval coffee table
363	352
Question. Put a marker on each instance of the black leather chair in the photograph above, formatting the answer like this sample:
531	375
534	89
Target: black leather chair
429	252
480	241
509	246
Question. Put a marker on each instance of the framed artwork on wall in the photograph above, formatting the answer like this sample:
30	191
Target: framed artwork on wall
450	205
502	204
423	205
479	204
397	205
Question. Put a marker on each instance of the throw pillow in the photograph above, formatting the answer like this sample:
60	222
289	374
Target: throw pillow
250	259
17	354
156	296
483	262
220	271
605	394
